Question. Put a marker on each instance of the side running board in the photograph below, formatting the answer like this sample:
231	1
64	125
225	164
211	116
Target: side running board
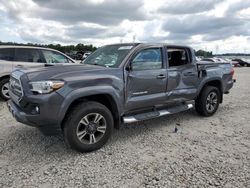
154	114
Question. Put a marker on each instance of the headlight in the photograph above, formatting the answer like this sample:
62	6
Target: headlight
43	87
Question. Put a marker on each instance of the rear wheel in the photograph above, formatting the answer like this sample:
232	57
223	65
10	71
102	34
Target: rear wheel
4	89
208	101
88	126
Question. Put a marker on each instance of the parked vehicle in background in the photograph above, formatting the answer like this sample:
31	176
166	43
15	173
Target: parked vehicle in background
120	83
242	62
220	60
234	63
85	55
209	60
79	56
76	55
16	57
199	58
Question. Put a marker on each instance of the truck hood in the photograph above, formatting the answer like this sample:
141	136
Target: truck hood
60	71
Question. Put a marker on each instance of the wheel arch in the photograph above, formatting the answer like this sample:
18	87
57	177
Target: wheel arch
106	99
4	76
215	83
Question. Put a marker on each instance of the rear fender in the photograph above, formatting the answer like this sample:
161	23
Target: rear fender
216	81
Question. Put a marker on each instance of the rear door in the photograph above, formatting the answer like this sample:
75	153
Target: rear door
27	58
6	60
146	79
182	74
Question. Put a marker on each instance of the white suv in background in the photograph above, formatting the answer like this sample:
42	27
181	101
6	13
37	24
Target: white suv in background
14	57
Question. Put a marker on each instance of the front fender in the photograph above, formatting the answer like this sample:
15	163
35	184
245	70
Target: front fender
88	91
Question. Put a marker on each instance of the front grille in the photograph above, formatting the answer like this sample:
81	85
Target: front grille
15	86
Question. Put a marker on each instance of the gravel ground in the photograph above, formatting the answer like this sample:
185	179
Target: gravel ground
205	152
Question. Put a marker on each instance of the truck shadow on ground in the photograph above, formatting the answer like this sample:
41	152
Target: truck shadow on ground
30	142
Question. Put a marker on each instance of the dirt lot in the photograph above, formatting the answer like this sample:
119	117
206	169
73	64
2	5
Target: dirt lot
205	152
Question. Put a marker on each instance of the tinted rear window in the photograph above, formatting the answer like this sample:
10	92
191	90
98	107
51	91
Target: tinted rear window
7	54
28	55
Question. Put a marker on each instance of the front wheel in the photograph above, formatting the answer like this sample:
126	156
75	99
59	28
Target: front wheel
208	101
88	126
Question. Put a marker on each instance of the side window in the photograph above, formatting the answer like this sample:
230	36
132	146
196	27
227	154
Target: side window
147	59
54	57
7	54
28	55
178	57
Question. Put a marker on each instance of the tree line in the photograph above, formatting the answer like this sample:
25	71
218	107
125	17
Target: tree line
203	53
59	47
83	48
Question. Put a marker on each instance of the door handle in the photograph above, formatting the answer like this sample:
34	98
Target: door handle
189	74
48	64
161	76
20	66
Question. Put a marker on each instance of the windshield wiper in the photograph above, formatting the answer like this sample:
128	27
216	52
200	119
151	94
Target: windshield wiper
96	64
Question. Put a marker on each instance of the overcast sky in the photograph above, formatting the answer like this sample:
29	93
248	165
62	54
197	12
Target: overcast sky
216	25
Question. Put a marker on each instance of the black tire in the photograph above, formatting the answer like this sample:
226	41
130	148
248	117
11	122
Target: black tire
202	105
3	83
73	121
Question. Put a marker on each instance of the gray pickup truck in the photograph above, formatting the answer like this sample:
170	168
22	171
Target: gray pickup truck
120	83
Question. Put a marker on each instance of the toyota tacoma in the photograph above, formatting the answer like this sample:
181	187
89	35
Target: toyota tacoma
119	83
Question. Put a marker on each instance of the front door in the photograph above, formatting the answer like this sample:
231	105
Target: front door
146	80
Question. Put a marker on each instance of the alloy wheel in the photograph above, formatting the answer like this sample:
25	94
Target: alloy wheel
212	100
91	128
5	90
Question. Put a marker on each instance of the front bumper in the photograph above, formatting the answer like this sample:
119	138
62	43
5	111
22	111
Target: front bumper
46	120
18	114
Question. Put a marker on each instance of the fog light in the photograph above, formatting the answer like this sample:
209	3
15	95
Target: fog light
37	109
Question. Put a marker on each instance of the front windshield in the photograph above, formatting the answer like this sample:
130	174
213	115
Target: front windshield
109	56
